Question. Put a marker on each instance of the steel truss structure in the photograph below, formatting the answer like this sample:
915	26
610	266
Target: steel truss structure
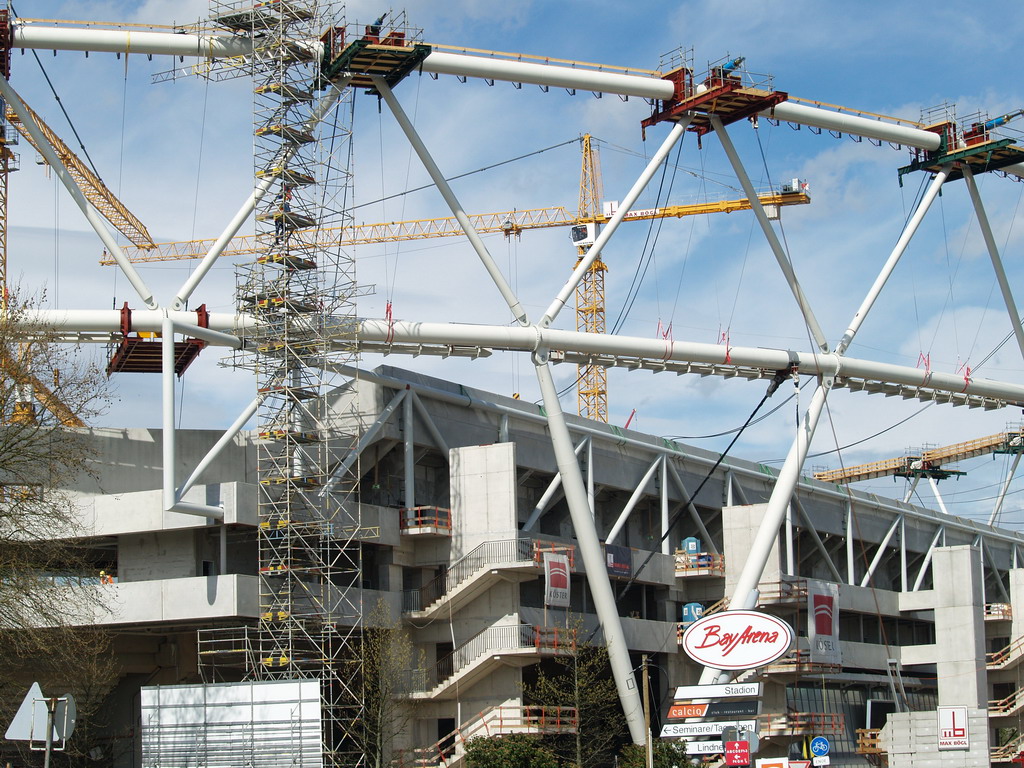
296	326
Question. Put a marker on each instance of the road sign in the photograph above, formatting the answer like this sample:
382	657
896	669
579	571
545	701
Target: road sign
704	748
737	753
819	746
821	760
729	690
713	709
710	728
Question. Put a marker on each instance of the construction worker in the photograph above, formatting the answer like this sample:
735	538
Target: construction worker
284	207
106	578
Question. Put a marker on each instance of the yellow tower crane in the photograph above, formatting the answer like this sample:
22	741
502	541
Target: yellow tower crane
590	296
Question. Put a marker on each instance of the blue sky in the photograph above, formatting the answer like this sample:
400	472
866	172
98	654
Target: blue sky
179	155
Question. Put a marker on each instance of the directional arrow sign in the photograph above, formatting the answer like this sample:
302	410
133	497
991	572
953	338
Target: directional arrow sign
728	690
703	729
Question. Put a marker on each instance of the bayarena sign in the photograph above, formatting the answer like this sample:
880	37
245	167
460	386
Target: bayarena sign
737	640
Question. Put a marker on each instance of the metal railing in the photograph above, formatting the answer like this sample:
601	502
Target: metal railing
493	721
998	611
1007	706
489	553
509	637
699	563
417	518
1002	657
801	723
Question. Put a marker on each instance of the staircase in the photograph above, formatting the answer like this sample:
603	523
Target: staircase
508	644
1006	658
450	751
475	572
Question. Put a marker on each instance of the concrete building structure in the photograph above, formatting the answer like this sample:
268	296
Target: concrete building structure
926	602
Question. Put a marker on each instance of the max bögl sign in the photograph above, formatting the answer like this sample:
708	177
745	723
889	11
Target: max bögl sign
737	640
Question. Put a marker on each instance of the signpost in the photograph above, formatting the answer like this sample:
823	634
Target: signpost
729	690
737	753
707	728
679	711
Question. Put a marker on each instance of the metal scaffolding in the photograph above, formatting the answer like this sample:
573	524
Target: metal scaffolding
303	296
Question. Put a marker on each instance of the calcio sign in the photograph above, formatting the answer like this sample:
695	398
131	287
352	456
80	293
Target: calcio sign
737	640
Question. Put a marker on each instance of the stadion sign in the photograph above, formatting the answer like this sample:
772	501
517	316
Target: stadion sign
737	640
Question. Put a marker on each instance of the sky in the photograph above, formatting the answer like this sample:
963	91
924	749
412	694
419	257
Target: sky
179	154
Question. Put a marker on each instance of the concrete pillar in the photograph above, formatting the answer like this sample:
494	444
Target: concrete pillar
959	627
739	527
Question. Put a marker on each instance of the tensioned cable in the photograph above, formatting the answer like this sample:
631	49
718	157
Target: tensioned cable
780	376
61	104
469	173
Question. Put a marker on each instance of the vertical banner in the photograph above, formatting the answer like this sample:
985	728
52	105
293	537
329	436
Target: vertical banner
556	580
823	622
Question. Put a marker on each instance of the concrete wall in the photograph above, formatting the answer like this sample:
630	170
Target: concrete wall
912	741
483	489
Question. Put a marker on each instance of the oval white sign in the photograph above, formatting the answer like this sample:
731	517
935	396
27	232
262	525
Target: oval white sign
737	640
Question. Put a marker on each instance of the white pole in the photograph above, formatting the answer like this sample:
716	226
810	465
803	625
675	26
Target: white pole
323	108
1002	493
128	42
910	491
901	245
880	552
638	492
609	229
769	233
91	215
997	263
409	453
854	124
453	202
548	75
224	440
665	543
167	358
938	495
590	552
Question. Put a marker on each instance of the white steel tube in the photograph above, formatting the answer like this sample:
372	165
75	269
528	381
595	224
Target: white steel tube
368	437
638	492
90	213
552	489
1006	487
224	440
167	374
409	453
323	108
665	543
109	320
901	245
880	552
853	124
123	41
938	496
550	75
526	339
439	441
590	552
171	498
209	335
709	542
453	202
769	233
927	560
997	263
911	489
609	229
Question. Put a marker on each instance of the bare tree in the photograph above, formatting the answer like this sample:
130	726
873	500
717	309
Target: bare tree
49	591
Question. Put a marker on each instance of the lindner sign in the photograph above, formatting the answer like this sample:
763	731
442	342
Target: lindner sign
737	640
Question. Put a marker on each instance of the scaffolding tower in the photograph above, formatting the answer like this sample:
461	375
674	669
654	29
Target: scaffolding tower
302	293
